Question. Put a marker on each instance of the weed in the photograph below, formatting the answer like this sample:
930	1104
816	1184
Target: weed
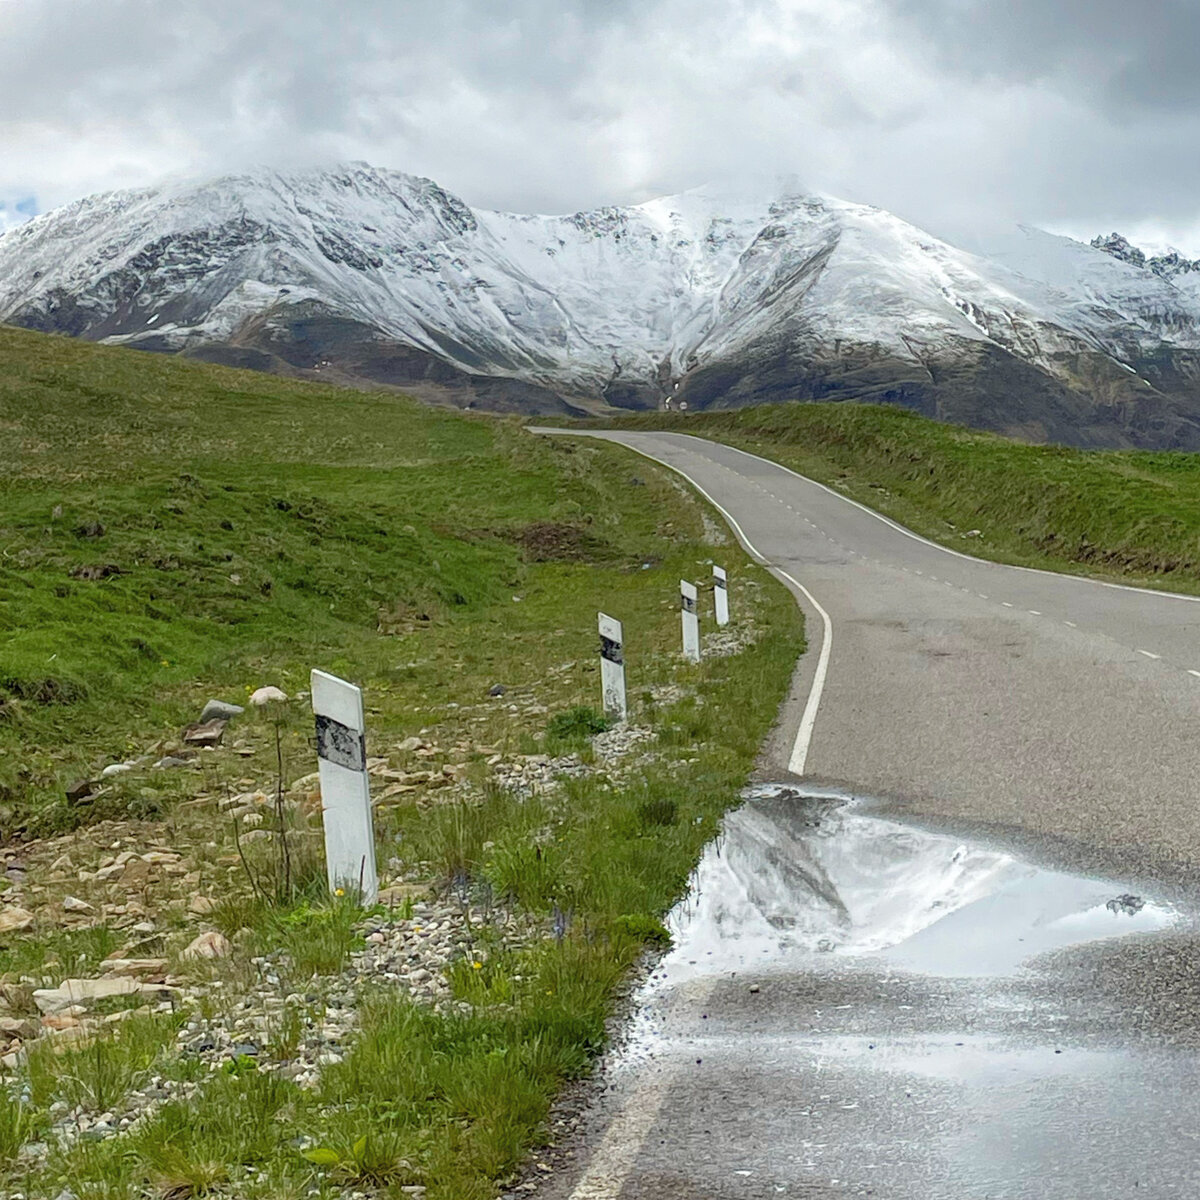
20	1123
574	728
657	810
318	938
526	872
101	1073
374	1159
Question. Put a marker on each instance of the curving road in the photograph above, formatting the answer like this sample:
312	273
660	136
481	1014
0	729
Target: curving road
1050	719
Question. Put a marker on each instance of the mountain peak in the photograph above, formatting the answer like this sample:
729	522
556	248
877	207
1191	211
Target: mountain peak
717	296
1167	265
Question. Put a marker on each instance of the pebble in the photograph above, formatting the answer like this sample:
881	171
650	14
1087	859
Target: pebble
218	710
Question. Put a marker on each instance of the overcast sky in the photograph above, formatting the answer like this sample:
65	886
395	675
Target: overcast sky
1078	115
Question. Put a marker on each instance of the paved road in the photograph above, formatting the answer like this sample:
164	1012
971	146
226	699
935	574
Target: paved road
1048	719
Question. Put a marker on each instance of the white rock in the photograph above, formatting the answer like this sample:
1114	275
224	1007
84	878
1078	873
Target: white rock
73	904
208	945
83	991
266	695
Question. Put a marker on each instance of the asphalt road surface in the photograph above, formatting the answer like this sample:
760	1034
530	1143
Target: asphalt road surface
982	978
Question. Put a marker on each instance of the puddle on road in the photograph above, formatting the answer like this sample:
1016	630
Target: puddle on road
975	1090
798	880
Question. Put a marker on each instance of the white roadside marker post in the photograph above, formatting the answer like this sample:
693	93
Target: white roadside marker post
691	621
721	596
612	668
345	788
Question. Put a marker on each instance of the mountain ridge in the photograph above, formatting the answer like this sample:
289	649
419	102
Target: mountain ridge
707	299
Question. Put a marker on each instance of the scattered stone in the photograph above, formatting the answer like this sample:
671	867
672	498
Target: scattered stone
117	769
15	920
218	710
1127	904
497	689
152	970
73	904
410	744
83	992
205	733
168	761
266	695
202	905
80	790
397	893
58	1022
208	945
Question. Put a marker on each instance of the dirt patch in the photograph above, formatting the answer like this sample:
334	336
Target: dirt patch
552	541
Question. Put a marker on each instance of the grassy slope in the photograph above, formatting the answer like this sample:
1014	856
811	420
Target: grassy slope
262	527
1132	515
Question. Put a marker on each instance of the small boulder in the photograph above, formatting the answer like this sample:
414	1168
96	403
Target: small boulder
208	945
15	920
205	733
80	790
497	689
410	744
218	710
73	904
266	695
201	905
83	992
116	769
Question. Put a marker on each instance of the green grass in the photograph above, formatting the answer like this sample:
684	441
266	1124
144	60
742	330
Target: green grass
1128	515
101	1073
260	528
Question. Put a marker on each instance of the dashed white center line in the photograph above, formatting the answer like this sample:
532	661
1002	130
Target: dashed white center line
1006	604
1072	624
1196	673
982	595
1033	612
1149	655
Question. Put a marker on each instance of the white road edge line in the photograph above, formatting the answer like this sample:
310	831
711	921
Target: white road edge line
613	1160
1148	654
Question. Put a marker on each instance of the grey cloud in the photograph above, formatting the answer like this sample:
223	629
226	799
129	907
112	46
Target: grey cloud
951	112
1126	54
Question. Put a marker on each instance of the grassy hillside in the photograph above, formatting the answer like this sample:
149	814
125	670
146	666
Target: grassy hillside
171	532
1132	515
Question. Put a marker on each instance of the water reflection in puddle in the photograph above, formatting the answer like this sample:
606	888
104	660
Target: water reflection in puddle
796	882
847	1010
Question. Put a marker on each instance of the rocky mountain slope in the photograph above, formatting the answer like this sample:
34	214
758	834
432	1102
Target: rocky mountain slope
703	299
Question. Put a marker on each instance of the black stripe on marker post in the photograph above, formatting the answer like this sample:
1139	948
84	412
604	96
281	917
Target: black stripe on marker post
611	650
338	743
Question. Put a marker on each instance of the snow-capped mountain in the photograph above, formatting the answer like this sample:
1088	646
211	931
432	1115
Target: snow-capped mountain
701	300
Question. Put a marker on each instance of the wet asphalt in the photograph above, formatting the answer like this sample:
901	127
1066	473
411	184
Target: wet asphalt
927	993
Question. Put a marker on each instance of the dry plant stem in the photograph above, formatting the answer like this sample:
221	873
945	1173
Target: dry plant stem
285	854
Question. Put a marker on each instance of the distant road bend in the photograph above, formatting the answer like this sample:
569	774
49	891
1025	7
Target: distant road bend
1051	717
